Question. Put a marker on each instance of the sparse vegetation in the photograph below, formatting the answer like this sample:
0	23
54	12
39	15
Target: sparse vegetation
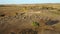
12	33
29	31
20	17
2	15
2	5
47	8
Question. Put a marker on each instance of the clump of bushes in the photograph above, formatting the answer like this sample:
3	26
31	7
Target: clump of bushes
48	8
2	15
2	5
58	10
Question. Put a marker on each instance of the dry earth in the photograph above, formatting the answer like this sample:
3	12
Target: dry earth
18	19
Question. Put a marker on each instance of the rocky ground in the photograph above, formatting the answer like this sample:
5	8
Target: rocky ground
30	19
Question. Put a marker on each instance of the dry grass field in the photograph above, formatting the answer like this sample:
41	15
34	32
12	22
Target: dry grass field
30	19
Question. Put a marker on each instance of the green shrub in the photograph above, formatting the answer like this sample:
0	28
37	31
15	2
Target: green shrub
35	23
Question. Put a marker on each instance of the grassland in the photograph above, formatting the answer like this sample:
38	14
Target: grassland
30	19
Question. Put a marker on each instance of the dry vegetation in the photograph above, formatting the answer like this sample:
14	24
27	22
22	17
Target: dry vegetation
30	19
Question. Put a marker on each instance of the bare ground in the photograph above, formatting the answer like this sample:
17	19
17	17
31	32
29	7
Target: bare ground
18	19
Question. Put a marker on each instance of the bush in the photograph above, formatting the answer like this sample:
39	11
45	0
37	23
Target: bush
35	23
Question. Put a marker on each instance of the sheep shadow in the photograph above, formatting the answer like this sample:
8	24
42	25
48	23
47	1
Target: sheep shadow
51	22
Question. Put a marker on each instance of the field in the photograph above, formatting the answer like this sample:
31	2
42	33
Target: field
30	19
